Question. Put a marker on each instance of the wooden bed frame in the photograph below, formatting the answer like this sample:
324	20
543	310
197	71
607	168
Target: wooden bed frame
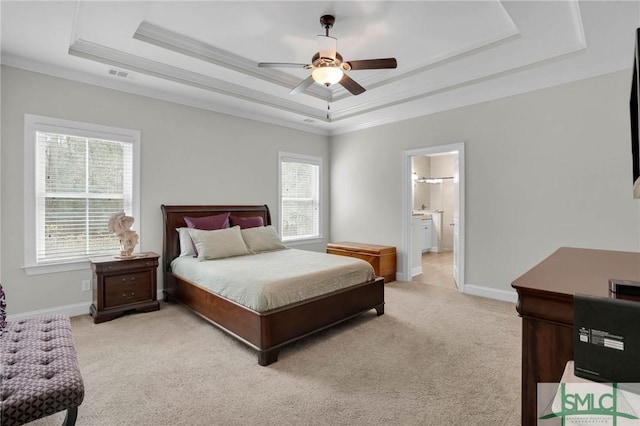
267	332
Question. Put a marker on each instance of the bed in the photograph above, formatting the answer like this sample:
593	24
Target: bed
269	330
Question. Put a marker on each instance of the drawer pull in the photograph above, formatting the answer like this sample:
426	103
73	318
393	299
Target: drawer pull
130	295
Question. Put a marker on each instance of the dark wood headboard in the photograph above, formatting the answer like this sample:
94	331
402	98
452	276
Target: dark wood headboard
173	217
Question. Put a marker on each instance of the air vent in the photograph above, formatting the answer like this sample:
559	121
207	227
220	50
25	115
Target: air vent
118	73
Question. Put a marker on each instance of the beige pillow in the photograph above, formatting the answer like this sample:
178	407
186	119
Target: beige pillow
219	243
262	238
186	243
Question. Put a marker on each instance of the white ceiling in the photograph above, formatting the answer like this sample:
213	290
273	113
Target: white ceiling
205	53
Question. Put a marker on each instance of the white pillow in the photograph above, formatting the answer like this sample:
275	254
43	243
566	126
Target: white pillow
186	243
219	243
262	238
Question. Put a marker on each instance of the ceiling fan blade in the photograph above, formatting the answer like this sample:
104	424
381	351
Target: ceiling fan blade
281	65
327	46
351	85
373	64
300	88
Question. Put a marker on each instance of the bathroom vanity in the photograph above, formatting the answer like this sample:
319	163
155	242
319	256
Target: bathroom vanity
426	228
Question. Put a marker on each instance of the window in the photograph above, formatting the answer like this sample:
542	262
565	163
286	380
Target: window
299	197
76	176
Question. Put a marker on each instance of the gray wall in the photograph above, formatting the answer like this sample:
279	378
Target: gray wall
188	156
544	169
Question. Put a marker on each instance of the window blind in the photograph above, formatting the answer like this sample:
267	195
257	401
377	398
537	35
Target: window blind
79	183
300	198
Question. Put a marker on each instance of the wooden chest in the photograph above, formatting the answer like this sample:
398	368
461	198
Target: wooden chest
382	258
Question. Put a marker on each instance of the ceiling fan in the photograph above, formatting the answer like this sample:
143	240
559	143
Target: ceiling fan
329	67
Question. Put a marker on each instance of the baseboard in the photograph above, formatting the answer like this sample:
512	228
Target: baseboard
83	308
416	271
68	310
491	293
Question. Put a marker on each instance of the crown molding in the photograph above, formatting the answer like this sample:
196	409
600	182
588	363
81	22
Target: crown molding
406	96
95	52
306	115
445	58
188	46
193	48
128	87
106	55
184	45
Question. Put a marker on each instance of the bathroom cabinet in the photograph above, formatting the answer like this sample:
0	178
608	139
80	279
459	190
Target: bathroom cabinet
427	237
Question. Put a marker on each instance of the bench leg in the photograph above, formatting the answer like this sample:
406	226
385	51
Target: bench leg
70	418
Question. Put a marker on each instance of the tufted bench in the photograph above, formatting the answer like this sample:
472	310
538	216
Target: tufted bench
39	372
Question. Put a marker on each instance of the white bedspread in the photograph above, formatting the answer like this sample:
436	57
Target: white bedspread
274	279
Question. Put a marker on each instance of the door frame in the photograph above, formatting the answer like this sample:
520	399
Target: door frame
407	207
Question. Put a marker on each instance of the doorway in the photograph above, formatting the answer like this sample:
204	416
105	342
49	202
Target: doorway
425	218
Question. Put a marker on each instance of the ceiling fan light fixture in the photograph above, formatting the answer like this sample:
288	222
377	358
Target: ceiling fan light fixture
327	75
328	65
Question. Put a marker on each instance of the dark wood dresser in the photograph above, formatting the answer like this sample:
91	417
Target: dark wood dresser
382	258
545	303
121	285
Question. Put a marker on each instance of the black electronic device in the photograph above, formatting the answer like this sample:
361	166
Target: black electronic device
606	343
625	287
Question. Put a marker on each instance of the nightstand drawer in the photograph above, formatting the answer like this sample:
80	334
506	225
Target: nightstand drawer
114	267
132	278
127	288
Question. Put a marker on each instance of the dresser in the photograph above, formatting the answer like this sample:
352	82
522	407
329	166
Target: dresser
382	258
122	285
545	303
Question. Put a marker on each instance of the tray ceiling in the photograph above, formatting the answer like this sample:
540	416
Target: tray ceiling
205	54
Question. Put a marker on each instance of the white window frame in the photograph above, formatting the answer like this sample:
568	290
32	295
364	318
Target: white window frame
306	159
34	124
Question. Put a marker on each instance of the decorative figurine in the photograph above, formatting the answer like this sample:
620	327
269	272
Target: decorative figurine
120	224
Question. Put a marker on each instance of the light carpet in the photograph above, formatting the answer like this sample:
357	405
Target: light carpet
436	357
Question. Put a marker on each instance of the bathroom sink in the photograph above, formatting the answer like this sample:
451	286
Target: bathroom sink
426	214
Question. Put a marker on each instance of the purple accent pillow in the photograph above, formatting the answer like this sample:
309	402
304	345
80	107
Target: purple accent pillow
208	223
3	310
247	222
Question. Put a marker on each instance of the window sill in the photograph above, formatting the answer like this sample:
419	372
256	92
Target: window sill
301	241
51	268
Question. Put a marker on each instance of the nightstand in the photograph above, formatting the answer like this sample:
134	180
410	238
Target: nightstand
121	285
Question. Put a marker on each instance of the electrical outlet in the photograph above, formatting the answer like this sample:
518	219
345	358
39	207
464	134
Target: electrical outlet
86	285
